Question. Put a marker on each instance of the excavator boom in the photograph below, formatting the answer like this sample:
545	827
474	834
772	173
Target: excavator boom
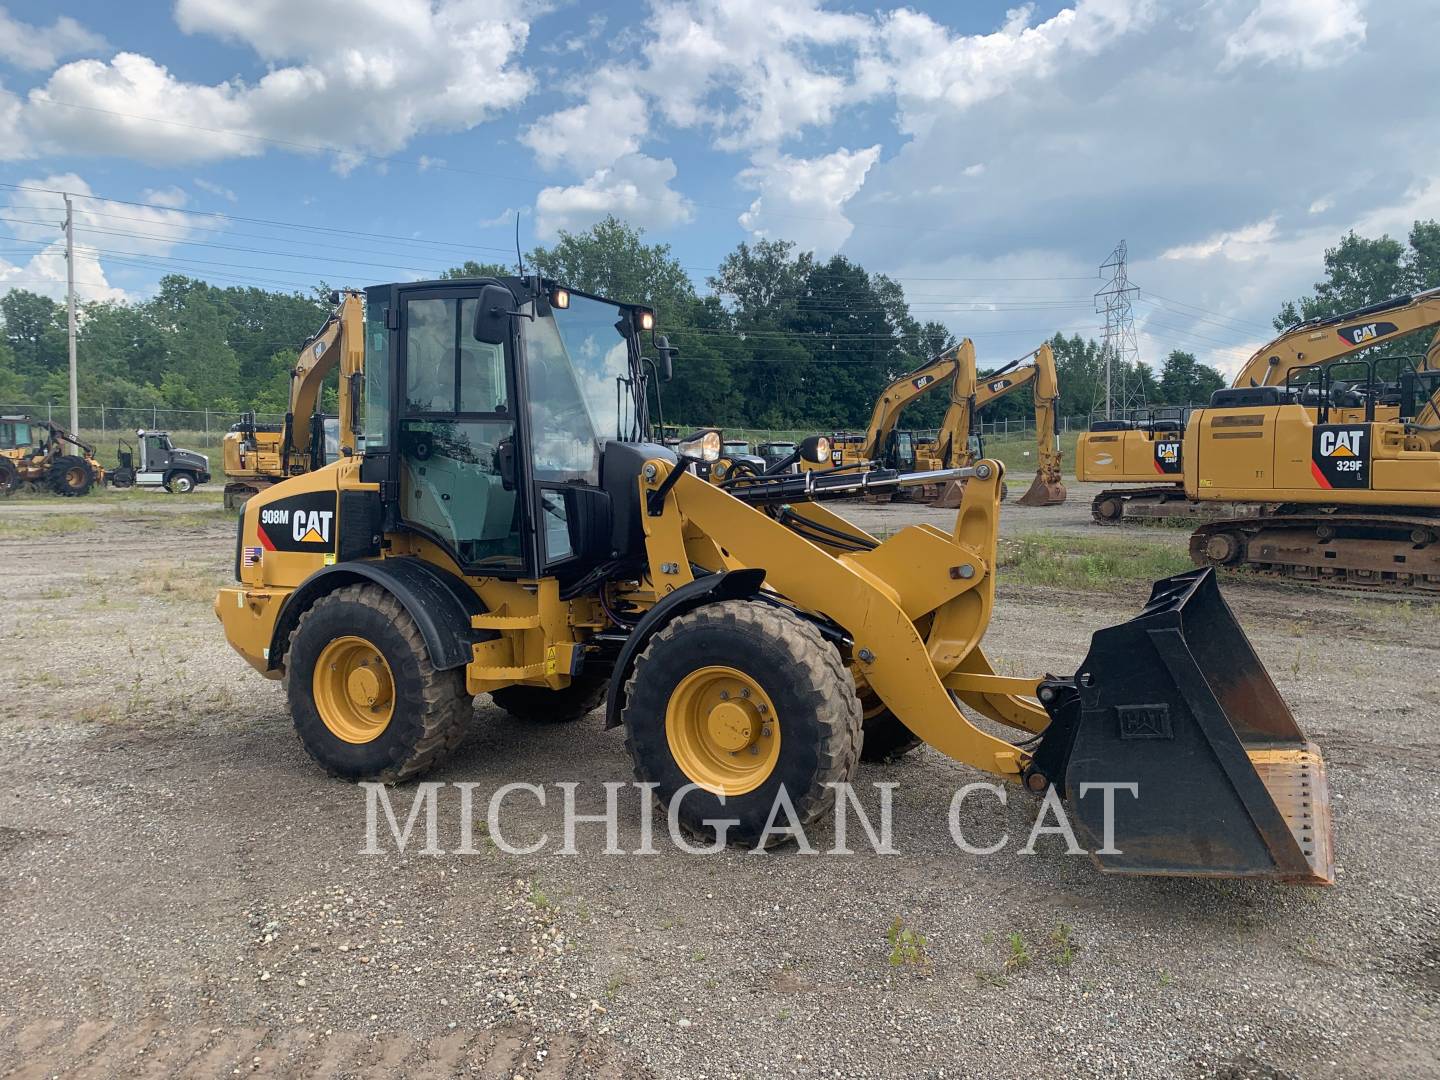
1036	370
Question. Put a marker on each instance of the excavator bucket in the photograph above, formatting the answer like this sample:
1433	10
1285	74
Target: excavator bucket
1043	493
951	495
1176	702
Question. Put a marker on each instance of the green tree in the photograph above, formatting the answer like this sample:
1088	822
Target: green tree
472	269
1360	271
611	259
1186	381
35	330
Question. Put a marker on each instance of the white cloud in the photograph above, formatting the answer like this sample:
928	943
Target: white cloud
13	142
1319	206
362	75
40	47
1239	245
635	187
218	190
753	70
171	197
103	229
1302	33
801	198
978	169
928	69
606	126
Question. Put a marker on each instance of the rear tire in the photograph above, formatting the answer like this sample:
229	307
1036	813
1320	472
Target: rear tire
9	476
541	705
71	476
682	703
355	739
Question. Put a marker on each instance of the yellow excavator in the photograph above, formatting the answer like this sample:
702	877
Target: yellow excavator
256	456
969	395
884	441
492	538
1142	452
1343	475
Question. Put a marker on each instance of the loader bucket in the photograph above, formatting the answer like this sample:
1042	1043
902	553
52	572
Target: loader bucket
1177	702
1043	493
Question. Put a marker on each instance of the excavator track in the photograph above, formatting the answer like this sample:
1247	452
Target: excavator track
1381	549
1114	505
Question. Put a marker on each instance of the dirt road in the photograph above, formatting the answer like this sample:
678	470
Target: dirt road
184	892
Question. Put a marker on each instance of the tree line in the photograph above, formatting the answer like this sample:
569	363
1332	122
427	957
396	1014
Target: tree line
778	339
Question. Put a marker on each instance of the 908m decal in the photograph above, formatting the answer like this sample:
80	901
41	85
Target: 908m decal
299	523
1340	455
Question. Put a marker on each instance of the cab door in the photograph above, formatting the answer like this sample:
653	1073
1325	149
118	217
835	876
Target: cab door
456	434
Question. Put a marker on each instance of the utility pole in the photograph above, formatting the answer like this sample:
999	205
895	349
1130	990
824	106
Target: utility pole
70	281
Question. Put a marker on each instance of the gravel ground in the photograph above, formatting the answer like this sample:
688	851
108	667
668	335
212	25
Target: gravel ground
184	892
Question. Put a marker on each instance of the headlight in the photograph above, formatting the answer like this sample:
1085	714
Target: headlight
560	298
816	449
702	446
646	320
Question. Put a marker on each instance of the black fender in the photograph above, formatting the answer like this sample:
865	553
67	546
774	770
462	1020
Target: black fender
440	603
711	589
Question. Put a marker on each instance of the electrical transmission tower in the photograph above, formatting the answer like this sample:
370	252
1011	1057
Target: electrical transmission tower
1119	345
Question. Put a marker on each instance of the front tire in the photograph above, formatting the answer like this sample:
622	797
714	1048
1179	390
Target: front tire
180	483
9	476
71	475
366	701
744	699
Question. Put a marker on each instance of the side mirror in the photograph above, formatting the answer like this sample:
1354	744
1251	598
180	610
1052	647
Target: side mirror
493	309
816	450
667	352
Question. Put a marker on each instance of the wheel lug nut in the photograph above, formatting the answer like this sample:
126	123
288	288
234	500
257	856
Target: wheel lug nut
724	695
745	692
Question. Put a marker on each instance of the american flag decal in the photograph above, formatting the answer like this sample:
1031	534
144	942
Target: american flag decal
250	556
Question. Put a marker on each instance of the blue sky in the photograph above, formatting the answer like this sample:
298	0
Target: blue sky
989	157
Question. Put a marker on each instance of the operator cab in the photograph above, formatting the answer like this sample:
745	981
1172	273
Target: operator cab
492	407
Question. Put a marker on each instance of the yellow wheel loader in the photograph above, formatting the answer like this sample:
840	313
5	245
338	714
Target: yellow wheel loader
495	538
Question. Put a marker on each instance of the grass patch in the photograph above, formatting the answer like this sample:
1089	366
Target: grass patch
180	582
44	525
1084	562
907	946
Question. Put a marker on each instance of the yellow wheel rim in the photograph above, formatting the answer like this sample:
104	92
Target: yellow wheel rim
723	730
354	690
75	477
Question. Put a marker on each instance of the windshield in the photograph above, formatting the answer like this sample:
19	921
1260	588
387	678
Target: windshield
572	362
600	355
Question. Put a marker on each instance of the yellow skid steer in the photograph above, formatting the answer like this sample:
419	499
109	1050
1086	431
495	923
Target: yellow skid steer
507	531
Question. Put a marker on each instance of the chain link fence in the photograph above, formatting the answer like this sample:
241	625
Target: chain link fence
101	424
